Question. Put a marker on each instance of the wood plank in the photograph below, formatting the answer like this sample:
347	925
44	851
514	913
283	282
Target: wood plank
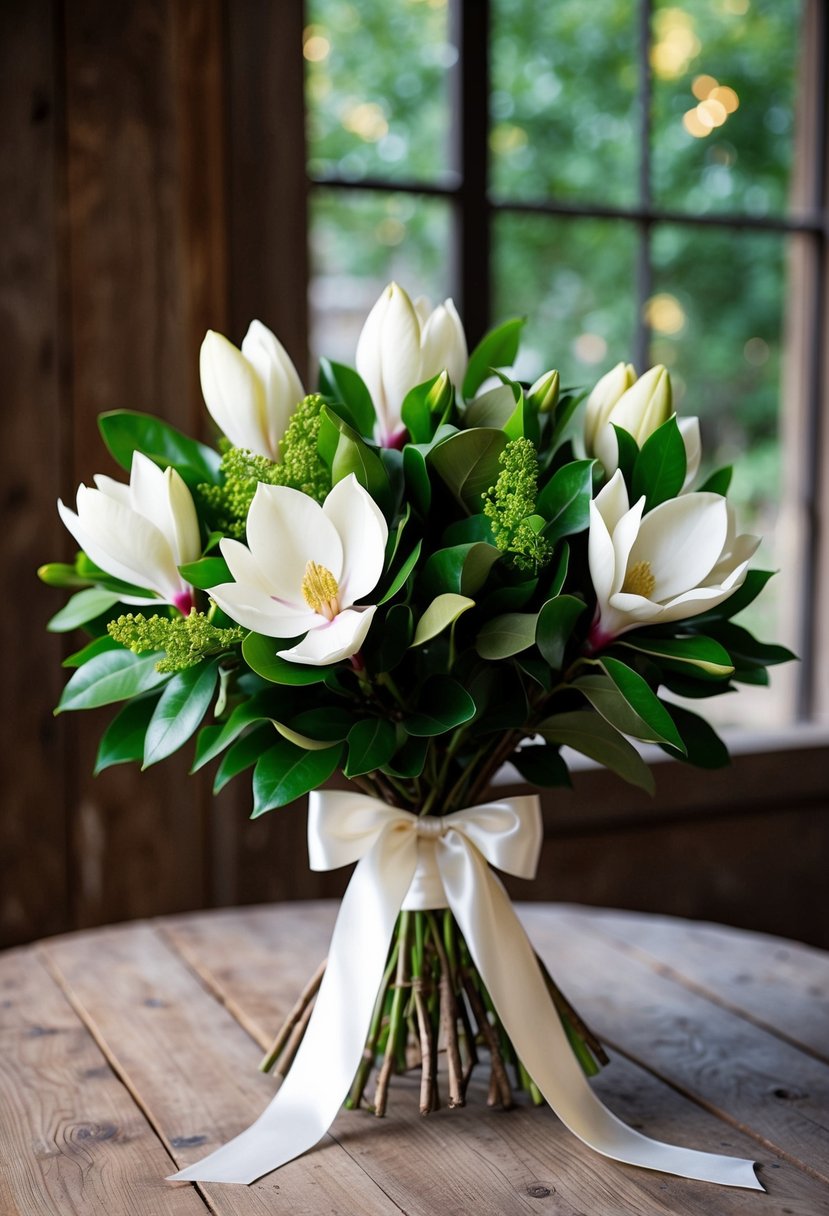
72	1140
33	879
782	985
257	960
194	1070
749	1077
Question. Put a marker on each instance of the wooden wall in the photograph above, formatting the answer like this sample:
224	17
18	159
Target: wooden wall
151	186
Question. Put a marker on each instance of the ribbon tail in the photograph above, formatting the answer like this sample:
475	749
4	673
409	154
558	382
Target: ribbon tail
505	959
324	1067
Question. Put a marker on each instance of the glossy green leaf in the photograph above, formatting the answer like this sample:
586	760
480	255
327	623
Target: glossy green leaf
343	384
462	568
443	611
180	709
494	408
127	431
84	606
123	740
588	733
112	676
565	500
498	348
626	700
257	708
541	764
388	643
285	773
402	574
207	572
371	744
755	581
416	475
718	483
556	622
410	758
628	453
703	746
707	656
96	646
421	412
507	635
353	455
61	574
566	407
259	652
746	650
242	754
659	471
442	705
468	463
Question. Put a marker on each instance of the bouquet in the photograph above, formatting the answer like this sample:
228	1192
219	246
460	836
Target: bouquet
420	572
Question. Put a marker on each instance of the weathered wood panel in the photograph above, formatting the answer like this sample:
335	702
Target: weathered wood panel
33	821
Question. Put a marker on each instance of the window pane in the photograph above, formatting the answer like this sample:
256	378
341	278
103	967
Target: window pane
360	241
721	335
572	279
377	88
563	105
724	81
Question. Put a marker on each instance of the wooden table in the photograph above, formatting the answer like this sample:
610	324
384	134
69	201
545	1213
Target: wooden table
127	1051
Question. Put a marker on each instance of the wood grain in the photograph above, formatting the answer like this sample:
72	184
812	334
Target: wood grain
72	1140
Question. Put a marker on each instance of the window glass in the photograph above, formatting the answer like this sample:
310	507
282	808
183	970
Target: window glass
377	88
563	109
360	241
573	280
724	81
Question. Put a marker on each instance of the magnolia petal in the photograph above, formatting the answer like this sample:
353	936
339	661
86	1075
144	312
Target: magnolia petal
113	489
388	357
280	380
600	555
363	532
699	599
184	534
601	401
691	438
247	571
423	308
443	344
253	609
368	358
606	448
148	492
286	529
645	405
624	537
336	640
681	540
234	394
122	543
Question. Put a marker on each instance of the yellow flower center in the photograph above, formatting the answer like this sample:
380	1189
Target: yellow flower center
640	580
320	590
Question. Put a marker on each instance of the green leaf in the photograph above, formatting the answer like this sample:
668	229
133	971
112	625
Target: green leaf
86	569
556	622
660	468
410	758
371	744
416	476
510	599
567	405
628	450
506	635
114	675
707	656
703	746
565	500
541	764
443	704
494	408
462	568
746	650
416	413
468	463
353	455
182	705
84	606
389	642
754	583
61	574
343	384
560	573
207	572
443	611
587	732
402	574
241	755
628	702
96	646
718	483
255	709
259	652
284	773
126	431
316	729
123	739
498	348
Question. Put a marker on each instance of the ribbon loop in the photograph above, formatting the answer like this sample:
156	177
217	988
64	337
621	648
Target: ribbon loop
410	862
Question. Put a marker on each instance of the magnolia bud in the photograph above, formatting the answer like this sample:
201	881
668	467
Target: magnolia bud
544	393
602	399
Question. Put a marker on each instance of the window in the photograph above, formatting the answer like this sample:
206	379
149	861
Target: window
645	183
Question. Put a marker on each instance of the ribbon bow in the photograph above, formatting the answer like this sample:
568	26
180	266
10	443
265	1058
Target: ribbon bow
420	863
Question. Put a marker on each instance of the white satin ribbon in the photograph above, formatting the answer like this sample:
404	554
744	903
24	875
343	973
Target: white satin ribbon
421	863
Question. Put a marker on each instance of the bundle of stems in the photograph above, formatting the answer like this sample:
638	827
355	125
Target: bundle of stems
431	1001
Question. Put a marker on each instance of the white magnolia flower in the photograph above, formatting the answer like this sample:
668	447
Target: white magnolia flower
251	393
141	532
304	567
680	559
402	345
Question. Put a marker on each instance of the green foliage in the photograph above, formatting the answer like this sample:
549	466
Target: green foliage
185	640
510	505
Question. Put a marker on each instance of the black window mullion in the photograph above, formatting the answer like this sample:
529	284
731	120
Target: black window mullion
644	272
472	252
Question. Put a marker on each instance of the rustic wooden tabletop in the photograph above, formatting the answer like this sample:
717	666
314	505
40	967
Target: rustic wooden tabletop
127	1051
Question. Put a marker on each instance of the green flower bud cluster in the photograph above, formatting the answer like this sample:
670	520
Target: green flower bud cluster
186	640
510	505
301	468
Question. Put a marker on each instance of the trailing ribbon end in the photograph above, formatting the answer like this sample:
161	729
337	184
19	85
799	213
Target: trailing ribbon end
402	863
